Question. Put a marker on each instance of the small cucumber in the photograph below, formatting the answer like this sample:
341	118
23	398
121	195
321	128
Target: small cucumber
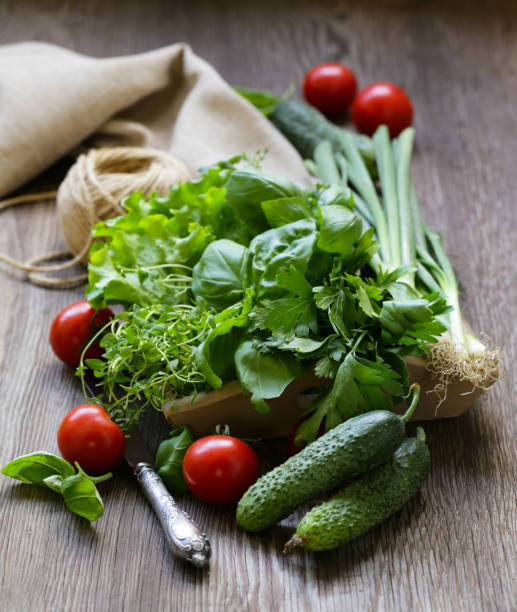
350	449
367	501
305	127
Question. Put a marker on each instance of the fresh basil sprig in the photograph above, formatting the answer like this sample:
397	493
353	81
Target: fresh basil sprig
47	470
169	459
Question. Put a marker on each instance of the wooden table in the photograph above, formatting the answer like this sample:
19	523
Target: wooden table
454	546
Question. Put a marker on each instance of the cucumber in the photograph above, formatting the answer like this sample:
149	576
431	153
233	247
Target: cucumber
367	501
305	127
350	449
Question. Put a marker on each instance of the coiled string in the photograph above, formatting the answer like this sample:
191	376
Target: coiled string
92	191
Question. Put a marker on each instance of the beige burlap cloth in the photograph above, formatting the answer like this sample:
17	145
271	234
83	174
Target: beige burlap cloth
52	100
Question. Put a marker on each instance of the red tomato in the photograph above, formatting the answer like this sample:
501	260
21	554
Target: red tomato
219	469
73	328
382	103
87	435
330	88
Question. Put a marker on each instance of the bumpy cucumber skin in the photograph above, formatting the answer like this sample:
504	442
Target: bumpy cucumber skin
350	449
367	501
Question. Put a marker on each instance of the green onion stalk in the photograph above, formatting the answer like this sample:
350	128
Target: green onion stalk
407	244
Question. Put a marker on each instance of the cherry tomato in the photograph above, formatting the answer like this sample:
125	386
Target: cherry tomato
330	88
382	103
73	327
292	447
87	435
219	469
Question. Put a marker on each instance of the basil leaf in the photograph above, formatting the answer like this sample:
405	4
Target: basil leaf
82	497
276	250
264	101
286	210
55	483
169	459
248	188
340	229
214	357
264	375
336	195
219	276
34	468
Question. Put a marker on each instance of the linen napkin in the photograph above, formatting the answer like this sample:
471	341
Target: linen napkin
53	99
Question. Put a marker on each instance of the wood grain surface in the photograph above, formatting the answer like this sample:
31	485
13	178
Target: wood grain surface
454	547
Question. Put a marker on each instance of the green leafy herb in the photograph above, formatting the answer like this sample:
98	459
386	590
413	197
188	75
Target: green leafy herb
34	468
81	496
149	359
45	469
169	459
340	229
247	188
264	375
277	249
286	210
359	385
265	101
220	275
215	355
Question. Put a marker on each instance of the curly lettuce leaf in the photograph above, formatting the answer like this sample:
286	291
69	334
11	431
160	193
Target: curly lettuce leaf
132	263
134	266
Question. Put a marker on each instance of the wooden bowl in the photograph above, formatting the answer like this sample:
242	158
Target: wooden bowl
228	405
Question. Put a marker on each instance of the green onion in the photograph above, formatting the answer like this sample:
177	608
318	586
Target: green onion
407	243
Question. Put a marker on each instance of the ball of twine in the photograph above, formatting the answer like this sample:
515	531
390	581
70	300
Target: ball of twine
91	192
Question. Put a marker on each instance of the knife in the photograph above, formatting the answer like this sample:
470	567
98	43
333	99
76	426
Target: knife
184	537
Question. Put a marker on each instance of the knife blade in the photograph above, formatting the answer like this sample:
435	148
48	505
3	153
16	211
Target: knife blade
184	537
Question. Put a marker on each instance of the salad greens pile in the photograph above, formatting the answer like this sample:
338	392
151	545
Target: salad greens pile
242	274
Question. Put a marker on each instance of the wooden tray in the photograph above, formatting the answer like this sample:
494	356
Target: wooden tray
227	405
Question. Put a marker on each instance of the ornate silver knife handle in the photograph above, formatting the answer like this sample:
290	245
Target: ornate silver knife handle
184	537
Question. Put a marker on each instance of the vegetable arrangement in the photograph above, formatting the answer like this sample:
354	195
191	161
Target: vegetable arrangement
243	274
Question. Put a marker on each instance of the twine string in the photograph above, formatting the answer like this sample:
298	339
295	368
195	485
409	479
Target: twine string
91	192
